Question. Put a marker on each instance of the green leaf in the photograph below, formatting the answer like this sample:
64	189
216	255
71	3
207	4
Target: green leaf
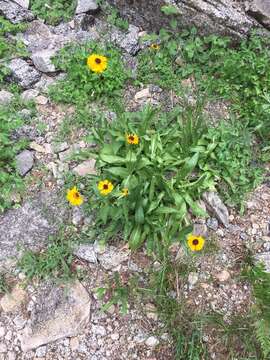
196	209
184	232
136	240
189	166
112	159
170	10
139	215
118	171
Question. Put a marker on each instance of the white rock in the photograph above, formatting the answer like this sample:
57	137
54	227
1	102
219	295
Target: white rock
11	355
223	276
3	347
99	330
23	3
115	336
84	6
35	146
41	100
29	94
68	318
5	97
86	252
112	258
142	94
193	278
42	60
11	302
152	341
2	331
41	351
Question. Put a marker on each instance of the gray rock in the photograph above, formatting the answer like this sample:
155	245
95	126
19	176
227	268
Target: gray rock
127	41
193	278
60	147
77	216
5	97
215	205
42	60
152	341
87	167
30	225
29	94
58	312
83	21
14	12
212	223
112	258
41	351
25	162
86	252
260	10
23	3
84	6
27	132
22	73
265	259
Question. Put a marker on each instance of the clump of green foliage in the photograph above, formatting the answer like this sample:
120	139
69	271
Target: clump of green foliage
260	280
9	46
234	162
161	174
54	11
237	74
10	181
53	262
82	85
4	287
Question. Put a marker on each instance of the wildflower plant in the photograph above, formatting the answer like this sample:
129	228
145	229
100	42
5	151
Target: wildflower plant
151	180
92	72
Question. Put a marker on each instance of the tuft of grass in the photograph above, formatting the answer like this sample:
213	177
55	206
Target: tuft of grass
53	262
4	287
54	11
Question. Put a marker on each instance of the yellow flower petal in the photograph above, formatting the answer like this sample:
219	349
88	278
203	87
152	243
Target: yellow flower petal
132	139
97	63
195	243
74	197
105	187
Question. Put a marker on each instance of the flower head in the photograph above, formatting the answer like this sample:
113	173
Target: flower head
125	192
132	139
97	63
74	197
195	243
105	187
155	46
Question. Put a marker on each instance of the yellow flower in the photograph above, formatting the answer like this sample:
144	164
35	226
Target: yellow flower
74	197
132	139
105	187
195	243
155	46
97	63
125	192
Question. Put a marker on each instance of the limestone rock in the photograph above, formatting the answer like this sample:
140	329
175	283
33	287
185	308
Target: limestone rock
85	168
260	10
127	41
25	162
112	258
86	252
221	17
42	60
31	225
265	259
223	276
84	6
22	73
23	3
215	205
142	94
29	94
14	12
58	313
5	97
11	302
152	342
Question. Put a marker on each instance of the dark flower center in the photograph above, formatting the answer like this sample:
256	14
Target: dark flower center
105	187
97	60
131	138
76	195
195	242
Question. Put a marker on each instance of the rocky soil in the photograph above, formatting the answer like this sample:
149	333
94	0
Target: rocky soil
64	321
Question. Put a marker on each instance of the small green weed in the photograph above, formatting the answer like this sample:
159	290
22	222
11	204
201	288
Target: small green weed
54	11
4	287
82	85
53	262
